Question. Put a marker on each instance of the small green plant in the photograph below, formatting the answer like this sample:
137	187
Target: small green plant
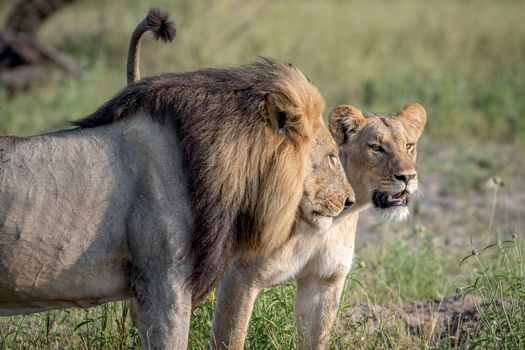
496	273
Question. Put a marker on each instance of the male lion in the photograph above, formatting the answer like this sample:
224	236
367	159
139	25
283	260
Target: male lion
154	194
378	153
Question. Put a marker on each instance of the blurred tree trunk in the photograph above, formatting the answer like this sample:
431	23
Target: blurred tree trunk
28	15
24	60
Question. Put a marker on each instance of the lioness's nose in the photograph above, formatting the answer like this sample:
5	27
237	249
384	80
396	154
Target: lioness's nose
405	177
348	202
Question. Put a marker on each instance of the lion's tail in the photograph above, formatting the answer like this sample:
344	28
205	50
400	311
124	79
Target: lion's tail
156	21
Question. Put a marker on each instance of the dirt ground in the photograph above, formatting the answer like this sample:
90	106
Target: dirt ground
451	318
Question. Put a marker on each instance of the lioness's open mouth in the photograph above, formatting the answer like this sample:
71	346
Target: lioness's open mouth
385	200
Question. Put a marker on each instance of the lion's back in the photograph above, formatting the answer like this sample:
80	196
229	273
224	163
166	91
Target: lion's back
55	215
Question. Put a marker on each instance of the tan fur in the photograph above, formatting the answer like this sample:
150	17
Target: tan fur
320	259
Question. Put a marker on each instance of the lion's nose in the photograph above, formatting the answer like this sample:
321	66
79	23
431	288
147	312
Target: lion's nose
348	202
405	177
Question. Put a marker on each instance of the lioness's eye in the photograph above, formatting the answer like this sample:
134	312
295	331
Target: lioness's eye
333	159
376	148
410	147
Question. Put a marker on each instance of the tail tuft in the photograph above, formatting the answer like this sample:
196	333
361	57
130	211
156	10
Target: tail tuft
160	25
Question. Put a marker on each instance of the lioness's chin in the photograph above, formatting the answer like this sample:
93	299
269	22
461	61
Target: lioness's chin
398	213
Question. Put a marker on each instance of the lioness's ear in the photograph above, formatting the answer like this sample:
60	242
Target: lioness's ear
413	116
345	121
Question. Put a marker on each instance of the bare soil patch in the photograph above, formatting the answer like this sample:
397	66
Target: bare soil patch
449	318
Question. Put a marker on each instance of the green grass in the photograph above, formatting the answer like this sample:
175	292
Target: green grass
394	271
497	274
405	269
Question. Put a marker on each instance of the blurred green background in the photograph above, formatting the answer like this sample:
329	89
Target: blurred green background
463	60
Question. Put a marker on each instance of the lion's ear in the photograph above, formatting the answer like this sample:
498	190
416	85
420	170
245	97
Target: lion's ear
413	116
276	110
345	121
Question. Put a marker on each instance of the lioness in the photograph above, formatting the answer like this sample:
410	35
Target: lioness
152	195
378	153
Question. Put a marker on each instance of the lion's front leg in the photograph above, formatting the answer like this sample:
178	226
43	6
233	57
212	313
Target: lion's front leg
316	307
161	310
237	293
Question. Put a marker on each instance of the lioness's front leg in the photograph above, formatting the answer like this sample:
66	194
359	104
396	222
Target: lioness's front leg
316	307
237	294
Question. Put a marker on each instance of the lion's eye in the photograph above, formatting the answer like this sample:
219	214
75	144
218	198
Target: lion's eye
333	159
410	147
376	148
